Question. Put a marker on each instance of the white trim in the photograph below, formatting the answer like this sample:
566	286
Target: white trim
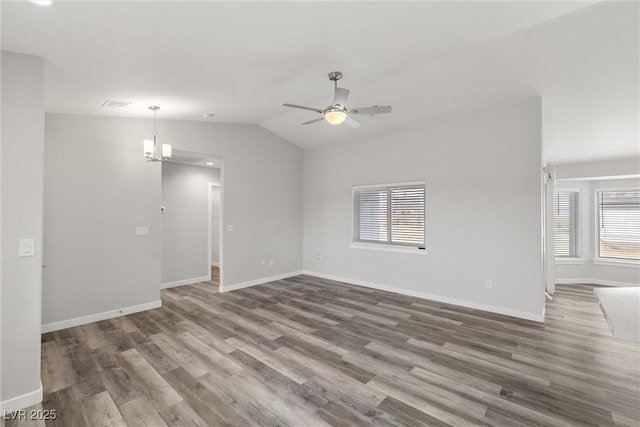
602	178
570	189
389	248
615	262
22	401
77	321
623	188
385	185
568	261
210	200
191	281
463	303
213	185
260	281
593	282
221	225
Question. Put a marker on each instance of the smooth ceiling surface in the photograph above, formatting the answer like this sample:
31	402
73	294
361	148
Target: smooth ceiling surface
429	60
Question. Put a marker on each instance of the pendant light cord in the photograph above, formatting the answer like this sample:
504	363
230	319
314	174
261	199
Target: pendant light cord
155	131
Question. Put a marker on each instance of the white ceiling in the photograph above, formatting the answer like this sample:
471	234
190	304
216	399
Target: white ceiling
429	60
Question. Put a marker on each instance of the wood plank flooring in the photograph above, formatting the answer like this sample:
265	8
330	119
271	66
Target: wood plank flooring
311	352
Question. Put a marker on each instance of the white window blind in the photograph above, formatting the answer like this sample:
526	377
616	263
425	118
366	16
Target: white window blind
565	223
619	224
389	214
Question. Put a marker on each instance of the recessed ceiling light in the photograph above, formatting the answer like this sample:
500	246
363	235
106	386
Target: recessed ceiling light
207	115
42	2
209	163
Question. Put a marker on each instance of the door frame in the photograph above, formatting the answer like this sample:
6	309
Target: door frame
211	187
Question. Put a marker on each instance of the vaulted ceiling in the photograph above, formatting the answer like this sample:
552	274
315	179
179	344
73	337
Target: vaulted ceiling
429	60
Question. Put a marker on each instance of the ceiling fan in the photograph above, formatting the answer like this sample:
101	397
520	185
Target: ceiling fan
337	113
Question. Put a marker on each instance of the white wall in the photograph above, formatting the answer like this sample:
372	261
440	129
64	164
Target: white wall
483	209
584	270
185	223
99	189
21	179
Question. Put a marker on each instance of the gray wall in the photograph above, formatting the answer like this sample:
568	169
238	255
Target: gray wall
262	195
21	178
604	168
99	189
185	224
483	209
584	270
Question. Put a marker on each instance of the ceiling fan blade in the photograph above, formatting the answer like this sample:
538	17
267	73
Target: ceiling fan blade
371	110
317	110
349	121
314	121
340	98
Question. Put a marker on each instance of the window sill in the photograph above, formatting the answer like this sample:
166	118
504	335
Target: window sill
617	262
389	248
569	261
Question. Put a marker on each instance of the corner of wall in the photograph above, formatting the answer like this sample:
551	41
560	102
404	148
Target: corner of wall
21	201
20	402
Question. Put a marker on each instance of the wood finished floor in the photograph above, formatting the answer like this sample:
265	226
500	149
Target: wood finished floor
215	276
307	351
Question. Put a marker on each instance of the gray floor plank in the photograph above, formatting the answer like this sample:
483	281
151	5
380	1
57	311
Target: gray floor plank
309	351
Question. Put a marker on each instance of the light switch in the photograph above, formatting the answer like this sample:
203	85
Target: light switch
27	247
229	227
142	231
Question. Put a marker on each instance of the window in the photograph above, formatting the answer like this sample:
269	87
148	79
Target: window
389	214
619	224
565	224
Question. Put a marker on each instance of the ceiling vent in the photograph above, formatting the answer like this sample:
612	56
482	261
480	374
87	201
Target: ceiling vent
115	104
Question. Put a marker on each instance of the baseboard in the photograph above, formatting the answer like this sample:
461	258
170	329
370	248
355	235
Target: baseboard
215	264
593	282
260	281
463	303
20	402
184	282
55	326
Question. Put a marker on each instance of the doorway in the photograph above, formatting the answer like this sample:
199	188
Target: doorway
192	211
215	200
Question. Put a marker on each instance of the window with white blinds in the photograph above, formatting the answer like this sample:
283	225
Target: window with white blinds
389	214
565	223
619	224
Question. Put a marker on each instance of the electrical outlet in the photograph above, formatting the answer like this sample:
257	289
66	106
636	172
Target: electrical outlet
488	283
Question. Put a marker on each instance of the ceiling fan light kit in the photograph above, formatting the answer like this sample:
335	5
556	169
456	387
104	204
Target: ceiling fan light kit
337	113
335	116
